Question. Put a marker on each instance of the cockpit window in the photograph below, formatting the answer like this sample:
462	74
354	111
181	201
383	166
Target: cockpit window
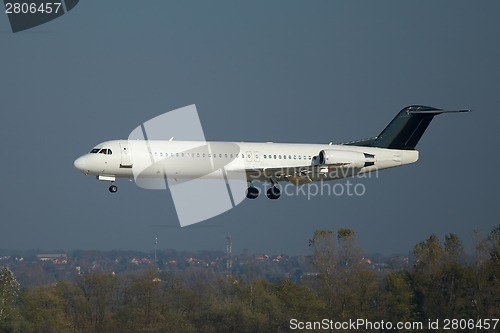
105	151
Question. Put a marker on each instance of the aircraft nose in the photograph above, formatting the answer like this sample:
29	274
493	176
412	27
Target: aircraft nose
81	164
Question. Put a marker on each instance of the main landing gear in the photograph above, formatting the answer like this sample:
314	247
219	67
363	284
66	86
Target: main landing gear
272	193
252	192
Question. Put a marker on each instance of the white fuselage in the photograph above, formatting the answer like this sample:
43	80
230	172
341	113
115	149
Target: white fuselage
261	161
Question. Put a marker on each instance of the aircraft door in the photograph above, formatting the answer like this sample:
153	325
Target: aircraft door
126	156
249	156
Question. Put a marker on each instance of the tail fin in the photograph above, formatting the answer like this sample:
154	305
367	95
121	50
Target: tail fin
406	129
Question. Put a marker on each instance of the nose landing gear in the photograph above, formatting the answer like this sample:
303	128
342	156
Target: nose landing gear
113	188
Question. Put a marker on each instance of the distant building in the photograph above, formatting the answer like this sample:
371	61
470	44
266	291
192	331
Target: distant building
55	258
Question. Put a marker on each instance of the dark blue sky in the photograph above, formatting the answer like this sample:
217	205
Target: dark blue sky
282	71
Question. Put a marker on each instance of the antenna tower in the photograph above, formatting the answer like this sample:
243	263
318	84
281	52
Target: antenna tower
229	259
156	247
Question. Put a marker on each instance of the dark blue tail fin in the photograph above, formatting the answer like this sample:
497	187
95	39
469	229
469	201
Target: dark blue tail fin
406	129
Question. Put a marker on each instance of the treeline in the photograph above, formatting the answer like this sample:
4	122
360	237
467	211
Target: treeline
439	285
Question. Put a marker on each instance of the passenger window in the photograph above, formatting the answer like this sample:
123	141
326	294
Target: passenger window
225	155
220	155
198	155
279	157
274	156
284	157
294	157
289	157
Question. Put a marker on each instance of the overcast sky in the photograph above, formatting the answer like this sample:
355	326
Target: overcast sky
282	71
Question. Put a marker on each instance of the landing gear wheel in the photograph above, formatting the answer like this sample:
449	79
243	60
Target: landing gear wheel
113	188
252	192
273	193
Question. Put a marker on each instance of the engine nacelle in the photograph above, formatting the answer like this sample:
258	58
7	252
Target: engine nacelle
345	158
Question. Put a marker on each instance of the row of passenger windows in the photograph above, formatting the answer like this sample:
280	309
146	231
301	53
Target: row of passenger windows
266	156
101	151
295	157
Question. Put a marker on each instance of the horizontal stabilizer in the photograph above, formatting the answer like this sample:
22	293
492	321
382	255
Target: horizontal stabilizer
436	112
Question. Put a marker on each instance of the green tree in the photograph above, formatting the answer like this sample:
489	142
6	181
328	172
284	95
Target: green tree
357	286
299	301
344	281
398	297
95	297
454	249
140	309
9	293
458	279
487	300
429	256
42	310
494	242
444	286
324	262
427	276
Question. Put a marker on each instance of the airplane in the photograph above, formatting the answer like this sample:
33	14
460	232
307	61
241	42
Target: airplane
298	163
